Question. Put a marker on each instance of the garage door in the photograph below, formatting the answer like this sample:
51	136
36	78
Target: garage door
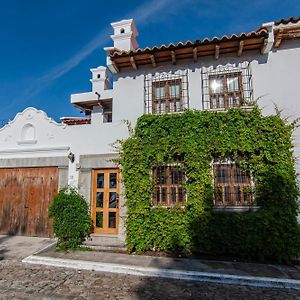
25	196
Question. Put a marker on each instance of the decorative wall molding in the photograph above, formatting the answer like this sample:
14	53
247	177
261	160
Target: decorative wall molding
61	162
29	142
29	113
63	149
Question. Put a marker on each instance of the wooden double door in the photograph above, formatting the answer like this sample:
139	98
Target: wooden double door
105	201
25	196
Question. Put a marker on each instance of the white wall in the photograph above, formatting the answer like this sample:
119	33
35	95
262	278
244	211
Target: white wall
128	97
275	79
275	76
278	82
48	135
54	140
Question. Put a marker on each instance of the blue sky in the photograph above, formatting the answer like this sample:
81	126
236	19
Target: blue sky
48	47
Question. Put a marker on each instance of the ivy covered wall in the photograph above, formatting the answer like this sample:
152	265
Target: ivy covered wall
258	143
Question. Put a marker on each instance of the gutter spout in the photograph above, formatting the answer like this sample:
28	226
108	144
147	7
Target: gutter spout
268	45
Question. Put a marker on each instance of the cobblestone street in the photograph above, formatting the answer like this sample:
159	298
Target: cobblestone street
20	281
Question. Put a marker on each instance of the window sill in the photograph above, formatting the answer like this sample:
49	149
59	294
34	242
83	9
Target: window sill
27	142
236	209
167	113
243	107
167	206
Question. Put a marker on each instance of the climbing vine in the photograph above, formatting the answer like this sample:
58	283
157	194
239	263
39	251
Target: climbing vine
260	144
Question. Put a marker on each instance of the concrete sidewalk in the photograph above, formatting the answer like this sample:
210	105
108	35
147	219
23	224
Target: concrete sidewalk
14	247
265	275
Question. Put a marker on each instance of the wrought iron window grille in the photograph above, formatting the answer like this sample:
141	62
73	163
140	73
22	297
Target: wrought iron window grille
168	185
227	86
233	185
166	92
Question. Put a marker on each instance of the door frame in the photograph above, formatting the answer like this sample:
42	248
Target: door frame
105	209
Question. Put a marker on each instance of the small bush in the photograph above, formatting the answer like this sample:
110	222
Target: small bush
71	219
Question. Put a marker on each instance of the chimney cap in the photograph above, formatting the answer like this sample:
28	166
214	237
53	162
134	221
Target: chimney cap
124	23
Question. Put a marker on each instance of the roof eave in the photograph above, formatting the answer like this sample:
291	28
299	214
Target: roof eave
190	50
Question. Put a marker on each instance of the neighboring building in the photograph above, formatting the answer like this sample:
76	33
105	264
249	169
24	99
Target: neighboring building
38	155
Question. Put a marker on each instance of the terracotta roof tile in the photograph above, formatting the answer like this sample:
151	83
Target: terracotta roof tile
262	32
76	121
289	20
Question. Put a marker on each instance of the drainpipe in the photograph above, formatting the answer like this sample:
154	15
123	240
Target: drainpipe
268	45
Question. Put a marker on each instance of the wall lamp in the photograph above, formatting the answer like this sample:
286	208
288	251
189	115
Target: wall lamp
71	157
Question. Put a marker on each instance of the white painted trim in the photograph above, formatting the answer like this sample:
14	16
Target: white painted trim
122	36
19	114
29	142
121	22
100	68
268	282
36	150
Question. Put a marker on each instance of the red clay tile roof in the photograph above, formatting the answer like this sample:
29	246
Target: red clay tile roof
262	32
289	20
216	46
171	53
76	121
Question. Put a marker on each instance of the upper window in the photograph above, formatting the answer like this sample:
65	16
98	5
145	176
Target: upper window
226	87
232	185
168	185
167	97
225	90
166	93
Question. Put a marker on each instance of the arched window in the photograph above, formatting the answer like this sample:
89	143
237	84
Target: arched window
122	30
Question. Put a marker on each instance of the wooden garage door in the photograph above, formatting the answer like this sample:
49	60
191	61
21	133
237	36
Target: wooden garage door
25	196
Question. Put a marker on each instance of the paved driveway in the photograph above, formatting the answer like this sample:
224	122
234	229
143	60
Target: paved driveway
23	281
18	247
30	282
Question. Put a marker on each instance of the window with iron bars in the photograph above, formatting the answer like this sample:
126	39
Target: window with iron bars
227	87
233	185
166	93
168	186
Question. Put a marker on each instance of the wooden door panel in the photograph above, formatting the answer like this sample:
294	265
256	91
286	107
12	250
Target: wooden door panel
105	201
25	196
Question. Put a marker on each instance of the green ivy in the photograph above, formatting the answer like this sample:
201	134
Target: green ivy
71	219
261	144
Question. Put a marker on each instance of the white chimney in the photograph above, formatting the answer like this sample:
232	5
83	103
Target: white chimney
100	79
125	34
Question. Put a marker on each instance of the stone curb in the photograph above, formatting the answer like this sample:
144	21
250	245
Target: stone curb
268	282
45	248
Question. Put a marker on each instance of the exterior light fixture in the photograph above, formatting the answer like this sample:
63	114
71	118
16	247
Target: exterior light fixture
71	157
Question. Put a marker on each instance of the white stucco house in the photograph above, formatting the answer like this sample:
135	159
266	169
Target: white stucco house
38	156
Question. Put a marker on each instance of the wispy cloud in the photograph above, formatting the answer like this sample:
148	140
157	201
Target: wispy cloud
149	9
140	14
42	82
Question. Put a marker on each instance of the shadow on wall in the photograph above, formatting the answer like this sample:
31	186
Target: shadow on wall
273	230
269	234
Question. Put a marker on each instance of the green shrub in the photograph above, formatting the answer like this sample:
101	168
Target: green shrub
263	144
71	219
